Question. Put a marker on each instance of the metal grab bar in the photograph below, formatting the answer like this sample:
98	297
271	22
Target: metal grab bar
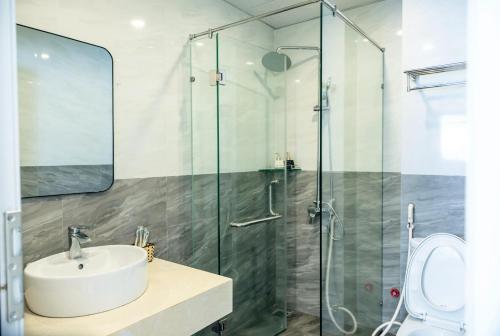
255	221
270	192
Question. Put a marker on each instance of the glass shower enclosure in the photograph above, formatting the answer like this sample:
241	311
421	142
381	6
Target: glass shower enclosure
238	125
301	238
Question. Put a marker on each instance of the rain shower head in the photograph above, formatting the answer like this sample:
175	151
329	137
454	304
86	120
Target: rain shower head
276	62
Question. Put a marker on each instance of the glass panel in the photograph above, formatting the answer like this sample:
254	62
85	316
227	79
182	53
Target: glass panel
251	129
204	155
352	75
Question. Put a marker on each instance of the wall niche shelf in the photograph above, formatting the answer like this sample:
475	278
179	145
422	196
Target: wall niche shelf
271	170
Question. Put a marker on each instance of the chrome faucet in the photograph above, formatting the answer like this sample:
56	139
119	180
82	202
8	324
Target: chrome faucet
75	238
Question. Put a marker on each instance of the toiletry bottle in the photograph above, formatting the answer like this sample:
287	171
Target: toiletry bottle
278	162
290	164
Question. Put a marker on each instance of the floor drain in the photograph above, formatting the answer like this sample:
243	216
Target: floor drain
80	266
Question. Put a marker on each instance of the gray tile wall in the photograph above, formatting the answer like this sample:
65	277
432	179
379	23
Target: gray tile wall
251	255
356	266
111	216
182	214
439	207
391	241
303	246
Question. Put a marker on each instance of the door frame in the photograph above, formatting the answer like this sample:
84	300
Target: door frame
11	280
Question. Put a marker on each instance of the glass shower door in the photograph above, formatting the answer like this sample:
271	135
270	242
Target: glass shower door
252	217
202	252
352	76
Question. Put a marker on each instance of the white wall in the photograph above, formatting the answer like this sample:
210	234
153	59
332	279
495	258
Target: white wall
300	85
433	123
382	21
483	180
353	125
241	123
152	127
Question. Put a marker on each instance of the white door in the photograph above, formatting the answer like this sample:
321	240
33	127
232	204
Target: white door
11	260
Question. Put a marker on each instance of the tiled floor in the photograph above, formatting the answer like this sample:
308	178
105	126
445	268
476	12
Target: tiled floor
302	325
307	325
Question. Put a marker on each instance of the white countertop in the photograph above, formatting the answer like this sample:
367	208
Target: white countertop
179	301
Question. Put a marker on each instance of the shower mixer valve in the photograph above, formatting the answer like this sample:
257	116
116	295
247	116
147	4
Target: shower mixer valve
317	209
313	211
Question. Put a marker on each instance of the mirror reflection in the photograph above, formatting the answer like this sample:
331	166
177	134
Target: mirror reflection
66	114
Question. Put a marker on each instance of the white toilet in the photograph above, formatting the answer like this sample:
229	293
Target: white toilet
434	292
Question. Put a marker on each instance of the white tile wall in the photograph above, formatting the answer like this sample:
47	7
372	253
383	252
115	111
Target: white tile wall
300	84
382	21
433	124
152	129
353	126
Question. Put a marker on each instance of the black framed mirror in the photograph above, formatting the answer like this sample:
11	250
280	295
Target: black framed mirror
65	89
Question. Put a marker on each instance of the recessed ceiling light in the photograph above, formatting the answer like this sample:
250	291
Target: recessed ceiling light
365	40
137	23
199	44
297	81
249	63
45	56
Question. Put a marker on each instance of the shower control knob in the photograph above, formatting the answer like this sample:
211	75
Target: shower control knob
395	293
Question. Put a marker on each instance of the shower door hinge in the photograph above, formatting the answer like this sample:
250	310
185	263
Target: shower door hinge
219	326
13	253
215	77
382	86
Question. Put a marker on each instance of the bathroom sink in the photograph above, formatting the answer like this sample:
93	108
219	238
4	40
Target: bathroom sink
105	277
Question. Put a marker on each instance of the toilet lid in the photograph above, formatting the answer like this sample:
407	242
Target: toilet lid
435	289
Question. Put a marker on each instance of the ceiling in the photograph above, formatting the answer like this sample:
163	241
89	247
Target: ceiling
255	7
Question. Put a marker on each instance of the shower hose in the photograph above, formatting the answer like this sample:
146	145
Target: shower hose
331	235
386	326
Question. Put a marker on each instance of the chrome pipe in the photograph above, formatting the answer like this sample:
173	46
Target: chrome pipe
279	49
425	87
332	7
209	32
356	28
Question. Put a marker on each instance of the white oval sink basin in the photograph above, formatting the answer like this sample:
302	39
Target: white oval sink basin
105	277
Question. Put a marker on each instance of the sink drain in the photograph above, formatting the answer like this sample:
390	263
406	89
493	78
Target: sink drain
80	266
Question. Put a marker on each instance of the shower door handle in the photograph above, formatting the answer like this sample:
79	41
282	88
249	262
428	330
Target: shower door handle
255	221
273	215
270	192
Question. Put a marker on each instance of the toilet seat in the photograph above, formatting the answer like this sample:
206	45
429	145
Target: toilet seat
435	289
